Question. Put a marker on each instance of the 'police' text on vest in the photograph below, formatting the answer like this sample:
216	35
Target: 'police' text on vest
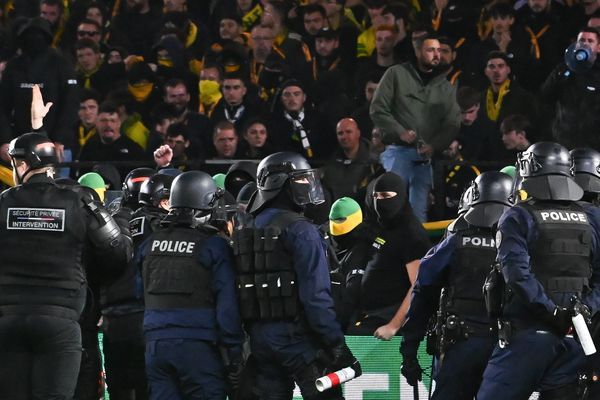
170	246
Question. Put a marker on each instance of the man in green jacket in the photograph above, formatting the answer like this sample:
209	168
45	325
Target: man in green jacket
415	108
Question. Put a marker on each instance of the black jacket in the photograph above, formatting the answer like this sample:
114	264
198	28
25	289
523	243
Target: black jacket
573	106
56	77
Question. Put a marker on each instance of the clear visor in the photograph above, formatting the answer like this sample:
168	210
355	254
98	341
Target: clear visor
306	188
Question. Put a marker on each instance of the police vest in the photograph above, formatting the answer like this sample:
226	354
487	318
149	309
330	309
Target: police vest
470	264
172	275
123	296
266	280
43	229
561	253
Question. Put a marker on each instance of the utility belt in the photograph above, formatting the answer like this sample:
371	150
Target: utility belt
450	329
506	329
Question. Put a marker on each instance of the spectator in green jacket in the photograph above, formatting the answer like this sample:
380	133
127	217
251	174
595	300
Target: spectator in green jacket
415	108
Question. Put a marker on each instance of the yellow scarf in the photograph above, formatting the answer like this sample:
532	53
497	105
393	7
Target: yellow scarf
210	92
493	108
85	136
165	62
192	34
140	91
250	18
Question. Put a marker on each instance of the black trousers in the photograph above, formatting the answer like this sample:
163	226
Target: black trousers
39	357
124	360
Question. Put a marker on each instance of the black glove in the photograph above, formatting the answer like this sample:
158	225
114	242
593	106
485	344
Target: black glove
411	370
580	308
560	321
340	356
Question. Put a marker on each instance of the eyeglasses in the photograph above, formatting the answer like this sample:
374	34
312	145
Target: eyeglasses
87	33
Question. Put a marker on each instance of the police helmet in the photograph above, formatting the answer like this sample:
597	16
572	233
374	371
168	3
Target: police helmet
277	169
133	183
491	195
547	172
194	190
35	149
587	169
155	189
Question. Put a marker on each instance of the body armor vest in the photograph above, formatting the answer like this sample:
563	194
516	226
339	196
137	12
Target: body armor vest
172	275
43	230
561	253
471	262
266	280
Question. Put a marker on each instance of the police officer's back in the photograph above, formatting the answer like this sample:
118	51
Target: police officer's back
122	298
462	336
45	230
189	294
289	312
548	249
587	175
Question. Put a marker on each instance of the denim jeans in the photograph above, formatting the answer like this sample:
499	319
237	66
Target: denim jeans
416	172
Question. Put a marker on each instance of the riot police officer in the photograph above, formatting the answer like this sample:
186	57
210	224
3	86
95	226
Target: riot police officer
45	231
458	266
133	184
548	248
122	298
189	293
587	175
294	335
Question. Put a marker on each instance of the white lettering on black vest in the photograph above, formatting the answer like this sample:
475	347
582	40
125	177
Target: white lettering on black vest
563	216
478	241
170	246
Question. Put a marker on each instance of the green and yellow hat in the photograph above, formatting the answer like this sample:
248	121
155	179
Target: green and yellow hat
219	180
510	170
94	181
344	216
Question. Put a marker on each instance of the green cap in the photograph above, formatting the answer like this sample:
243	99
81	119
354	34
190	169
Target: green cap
344	216
509	170
219	180
92	180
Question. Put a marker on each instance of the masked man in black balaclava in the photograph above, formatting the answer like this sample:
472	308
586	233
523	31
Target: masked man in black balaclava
401	242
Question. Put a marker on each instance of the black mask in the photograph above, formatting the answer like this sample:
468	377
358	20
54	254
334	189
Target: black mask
347	241
387	210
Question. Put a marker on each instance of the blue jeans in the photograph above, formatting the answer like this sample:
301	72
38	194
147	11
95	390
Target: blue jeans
416	172
533	360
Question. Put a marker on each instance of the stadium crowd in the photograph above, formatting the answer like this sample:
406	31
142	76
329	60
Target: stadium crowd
395	106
